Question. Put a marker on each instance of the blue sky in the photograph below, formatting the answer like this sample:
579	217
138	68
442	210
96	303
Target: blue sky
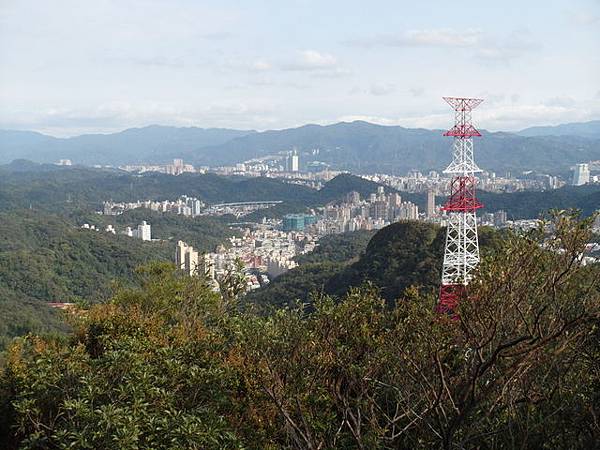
71	67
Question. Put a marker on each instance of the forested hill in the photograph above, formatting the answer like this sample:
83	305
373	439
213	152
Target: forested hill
24	184
46	186
134	145
400	255
45	258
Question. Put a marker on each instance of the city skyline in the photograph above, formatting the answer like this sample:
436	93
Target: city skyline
78	68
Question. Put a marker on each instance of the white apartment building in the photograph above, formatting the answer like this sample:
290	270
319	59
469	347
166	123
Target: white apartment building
581	174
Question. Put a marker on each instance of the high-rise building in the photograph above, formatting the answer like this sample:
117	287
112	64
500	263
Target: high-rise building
186	258
500	218
395	200
430	203
353	197
596	224
143	231
295	161
581	174
293	222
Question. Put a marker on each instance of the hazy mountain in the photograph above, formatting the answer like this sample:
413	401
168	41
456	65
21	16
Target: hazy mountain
365	147
582	129
357	146
135	145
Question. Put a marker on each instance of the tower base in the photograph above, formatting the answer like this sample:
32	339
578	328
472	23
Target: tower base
450	295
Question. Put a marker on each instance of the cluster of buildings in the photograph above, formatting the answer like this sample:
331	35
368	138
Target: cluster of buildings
375	212
143	231
265	253
177	167
581	175
184	205
238	209
416	181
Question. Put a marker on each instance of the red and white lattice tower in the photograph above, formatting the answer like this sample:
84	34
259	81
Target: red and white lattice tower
461	254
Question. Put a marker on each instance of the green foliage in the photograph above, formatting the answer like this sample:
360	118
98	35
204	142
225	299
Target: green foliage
400	255
172	365
341	247
203	233
532	205
43	259
140	372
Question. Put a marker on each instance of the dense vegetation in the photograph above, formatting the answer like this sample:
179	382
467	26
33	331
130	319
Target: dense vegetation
74	191
203	233
531	205
44	258
68	188
173	365
342	247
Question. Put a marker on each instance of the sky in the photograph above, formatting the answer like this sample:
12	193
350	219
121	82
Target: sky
72	67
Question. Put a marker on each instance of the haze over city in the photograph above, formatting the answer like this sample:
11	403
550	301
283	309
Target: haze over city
71	67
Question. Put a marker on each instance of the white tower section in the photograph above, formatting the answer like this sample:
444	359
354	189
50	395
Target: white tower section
461	254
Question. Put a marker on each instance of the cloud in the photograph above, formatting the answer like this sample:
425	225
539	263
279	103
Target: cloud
488	48
585	18
444	37
311	60
261	65
381	89
115	116
565	102
417	91
155	61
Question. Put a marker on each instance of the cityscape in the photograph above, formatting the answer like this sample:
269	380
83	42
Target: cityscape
299	225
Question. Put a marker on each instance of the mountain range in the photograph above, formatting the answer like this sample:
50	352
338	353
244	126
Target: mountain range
357	146
582	129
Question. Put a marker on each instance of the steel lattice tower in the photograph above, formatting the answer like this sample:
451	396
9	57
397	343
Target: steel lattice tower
461	254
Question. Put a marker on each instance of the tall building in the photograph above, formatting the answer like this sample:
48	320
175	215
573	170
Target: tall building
500	218
293	222
581	174
353	197
295	161
596	224
430	203
143	231
186	258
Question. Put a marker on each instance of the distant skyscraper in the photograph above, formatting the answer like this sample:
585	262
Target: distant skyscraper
295	161
500	218
581	174
353	197
430	203
186	258
143	231
395	200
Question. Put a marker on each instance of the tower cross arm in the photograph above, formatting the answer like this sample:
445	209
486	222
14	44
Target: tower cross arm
463	103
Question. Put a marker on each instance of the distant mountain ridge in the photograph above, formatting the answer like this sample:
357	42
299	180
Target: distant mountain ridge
356	146
154	143
581	129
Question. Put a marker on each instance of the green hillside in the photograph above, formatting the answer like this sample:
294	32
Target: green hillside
45	258
400	255
172	365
